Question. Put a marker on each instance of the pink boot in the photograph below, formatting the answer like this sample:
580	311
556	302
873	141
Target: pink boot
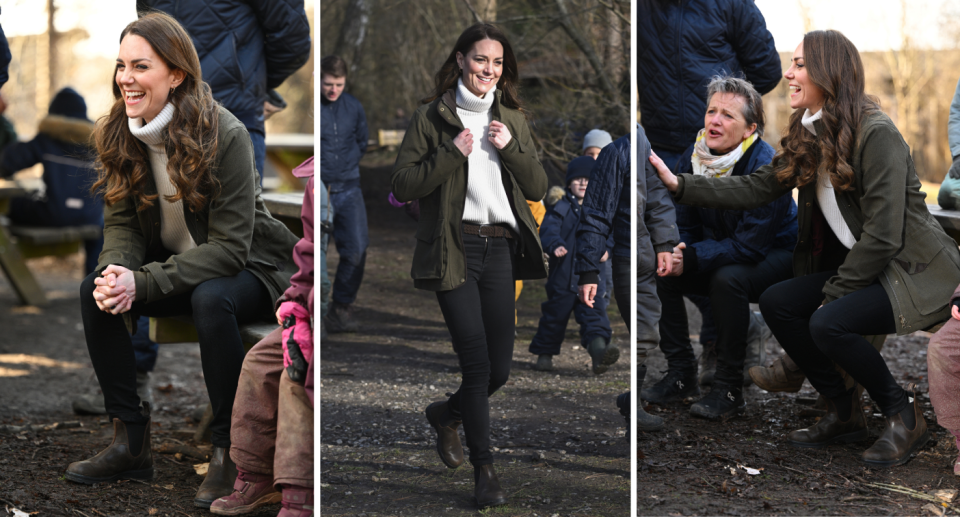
250	491
297	501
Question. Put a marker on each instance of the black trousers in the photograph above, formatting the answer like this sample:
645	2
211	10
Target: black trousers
479	315
731	289
815	337
218	308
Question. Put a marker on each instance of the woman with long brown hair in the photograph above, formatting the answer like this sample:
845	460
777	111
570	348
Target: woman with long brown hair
869	260
185	233
468	156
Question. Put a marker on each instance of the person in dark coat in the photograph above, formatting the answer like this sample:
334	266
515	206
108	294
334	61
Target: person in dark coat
681	45
607	210
62	146
558	237
732	256
343	141
247	49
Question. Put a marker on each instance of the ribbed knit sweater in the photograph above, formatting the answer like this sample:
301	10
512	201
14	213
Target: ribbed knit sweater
486	202
825	195
173	226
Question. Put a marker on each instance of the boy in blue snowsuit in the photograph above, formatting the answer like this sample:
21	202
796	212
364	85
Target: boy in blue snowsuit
559	240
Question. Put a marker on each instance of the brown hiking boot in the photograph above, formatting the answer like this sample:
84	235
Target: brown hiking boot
221	477
250	492
782	375
115	462
340	318
897	443
448	440
487	490
830	429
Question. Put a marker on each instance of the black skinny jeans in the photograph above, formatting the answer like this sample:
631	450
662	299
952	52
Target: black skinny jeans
218	308
816	337
479	315
731	289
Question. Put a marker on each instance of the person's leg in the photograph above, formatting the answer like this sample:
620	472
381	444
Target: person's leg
258	139
554	315
294	461
943	368
680	380
646	320
350	236
595	332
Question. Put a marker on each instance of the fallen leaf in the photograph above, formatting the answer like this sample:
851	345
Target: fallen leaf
168	487
152	511
933	509
201	468
752	472
178	456
945	495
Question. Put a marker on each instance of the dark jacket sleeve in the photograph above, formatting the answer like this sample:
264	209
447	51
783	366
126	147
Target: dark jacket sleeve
301	283
598	211
550	237
754	46
362	134
751	241
5	58
421	168
123	240
286	34
659	216
19	156
730	193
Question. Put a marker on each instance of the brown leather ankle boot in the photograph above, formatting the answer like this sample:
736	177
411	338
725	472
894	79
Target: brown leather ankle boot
782	375
115	462
897	443
221	474
830	429
448	440
487	489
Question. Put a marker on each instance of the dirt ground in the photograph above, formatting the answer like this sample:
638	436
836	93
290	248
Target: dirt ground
693	467
43	364
558	440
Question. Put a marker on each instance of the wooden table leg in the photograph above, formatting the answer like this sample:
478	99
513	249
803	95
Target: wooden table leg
17	272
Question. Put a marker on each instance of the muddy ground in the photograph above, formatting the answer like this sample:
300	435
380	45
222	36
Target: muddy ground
691	468
43	365
558	440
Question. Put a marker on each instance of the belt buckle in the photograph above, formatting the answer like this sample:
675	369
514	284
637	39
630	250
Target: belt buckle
491	233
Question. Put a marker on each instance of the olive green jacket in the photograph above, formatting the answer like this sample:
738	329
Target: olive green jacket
898	241
233	232
432	169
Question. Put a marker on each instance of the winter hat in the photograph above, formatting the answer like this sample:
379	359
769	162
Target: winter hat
68	103
580	167
596	138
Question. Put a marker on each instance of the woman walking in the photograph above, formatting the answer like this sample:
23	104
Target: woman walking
869	260
186	233
468	156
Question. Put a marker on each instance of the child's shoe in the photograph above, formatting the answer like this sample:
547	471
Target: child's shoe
297	501
250	491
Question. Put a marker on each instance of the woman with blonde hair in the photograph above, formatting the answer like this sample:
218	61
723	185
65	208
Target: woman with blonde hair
185	233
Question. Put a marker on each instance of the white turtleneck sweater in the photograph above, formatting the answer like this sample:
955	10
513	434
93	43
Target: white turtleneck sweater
487	201
173	226
825	194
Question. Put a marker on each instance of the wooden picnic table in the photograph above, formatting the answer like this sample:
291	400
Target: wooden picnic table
11	261
287	207
948	219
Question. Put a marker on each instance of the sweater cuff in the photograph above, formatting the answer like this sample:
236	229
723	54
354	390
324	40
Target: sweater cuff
663	248
691	263
589	277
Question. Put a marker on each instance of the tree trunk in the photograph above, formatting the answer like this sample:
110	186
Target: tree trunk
567	24
487	10
349	45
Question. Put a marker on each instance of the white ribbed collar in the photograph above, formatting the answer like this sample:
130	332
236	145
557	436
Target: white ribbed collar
466	100
809	118
152	133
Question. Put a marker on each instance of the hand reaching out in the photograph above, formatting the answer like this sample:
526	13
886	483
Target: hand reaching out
667	177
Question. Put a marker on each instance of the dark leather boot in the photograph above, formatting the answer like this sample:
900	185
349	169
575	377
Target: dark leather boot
897	443
221	474
115	462
448	440
782	375
487	489
830	429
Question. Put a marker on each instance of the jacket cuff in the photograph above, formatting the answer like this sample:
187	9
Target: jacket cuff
589	277
511	147
691	263
140	284
663	248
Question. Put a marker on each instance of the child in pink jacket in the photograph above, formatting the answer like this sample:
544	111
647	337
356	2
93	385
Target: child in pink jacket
943	369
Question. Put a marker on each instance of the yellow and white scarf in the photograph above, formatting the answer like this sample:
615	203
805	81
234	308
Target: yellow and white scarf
708	164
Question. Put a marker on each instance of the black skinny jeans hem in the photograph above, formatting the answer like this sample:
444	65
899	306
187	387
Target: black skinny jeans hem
479	315
218	307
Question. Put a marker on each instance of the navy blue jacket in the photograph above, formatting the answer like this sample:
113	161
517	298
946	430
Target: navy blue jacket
681	44
67	170
343	140
735	236
246	47
5	58
559	229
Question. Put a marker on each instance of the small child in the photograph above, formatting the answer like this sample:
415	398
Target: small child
943	368
558	237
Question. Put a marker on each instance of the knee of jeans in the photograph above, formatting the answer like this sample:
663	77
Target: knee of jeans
87	287
769	303
823	329
498	377
726	280
208	301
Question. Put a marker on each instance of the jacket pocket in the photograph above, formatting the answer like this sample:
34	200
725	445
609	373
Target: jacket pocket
928	273
428	258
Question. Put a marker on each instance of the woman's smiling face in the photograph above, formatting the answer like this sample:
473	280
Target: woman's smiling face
803	93
144	78
482	66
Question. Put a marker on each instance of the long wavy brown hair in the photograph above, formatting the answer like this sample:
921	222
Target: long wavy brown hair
509	80
833	64
190	140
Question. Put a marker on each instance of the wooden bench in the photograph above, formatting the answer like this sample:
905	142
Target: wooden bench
948	219
39	241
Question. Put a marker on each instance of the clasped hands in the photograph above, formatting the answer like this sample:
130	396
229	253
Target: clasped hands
498	134
116	289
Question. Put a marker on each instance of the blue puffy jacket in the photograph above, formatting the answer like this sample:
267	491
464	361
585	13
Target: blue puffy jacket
246	47
735	236
681	44
559	229
343	140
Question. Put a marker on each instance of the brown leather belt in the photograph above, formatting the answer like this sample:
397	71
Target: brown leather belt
487	230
